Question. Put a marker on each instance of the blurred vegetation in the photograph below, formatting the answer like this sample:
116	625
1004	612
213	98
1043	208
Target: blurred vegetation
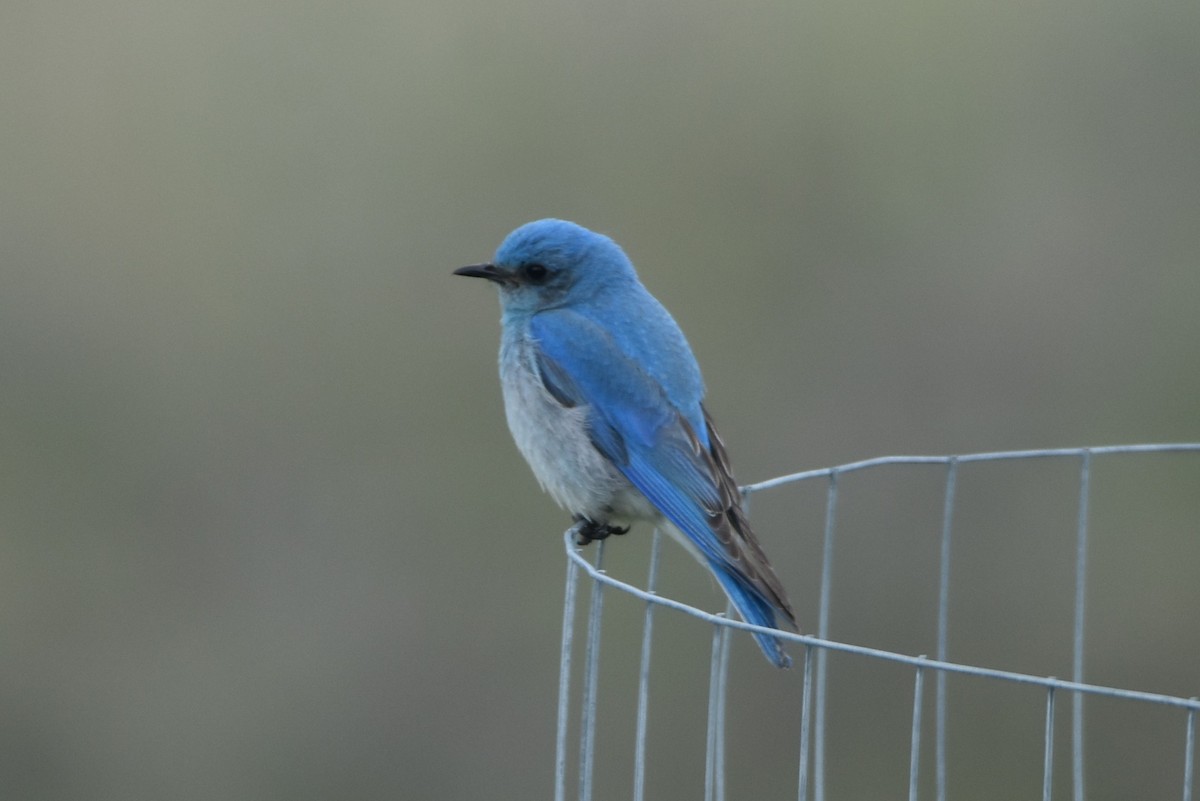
263	531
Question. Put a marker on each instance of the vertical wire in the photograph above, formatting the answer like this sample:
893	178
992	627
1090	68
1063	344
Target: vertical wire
643	696
710	746
1048	757
1085	480
1189	755
564	684
823	633
914	754
587	721
805	723
722	694
944	625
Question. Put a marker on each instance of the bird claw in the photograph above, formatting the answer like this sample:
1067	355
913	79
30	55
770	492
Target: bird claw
589	530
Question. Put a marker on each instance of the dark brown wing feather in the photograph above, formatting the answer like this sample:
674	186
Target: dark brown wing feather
732	529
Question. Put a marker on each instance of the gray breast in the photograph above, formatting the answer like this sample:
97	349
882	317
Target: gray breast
554	440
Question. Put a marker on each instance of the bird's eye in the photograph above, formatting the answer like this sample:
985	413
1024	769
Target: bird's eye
535	273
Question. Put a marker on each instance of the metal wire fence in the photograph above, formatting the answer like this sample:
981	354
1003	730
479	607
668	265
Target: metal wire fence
813	675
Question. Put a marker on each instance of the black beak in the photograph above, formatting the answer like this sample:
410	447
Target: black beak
489	271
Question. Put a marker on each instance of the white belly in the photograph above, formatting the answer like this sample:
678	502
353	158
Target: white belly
554	441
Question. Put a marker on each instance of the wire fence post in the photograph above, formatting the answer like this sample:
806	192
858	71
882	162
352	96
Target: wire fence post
805	723
722	694
564	683
713	731
1085	477
587	719
823	633
914	756
643	702
1189	753
943	625
1048	753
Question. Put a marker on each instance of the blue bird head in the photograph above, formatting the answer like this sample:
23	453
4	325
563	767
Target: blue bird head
551	263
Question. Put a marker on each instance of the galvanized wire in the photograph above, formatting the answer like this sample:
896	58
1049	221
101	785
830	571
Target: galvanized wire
643	693
943	625
812	745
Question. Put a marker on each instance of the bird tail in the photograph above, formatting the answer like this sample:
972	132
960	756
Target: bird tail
754	609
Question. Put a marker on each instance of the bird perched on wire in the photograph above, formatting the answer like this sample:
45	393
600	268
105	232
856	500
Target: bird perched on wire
604	399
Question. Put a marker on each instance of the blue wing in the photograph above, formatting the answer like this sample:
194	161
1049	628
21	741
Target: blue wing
672	455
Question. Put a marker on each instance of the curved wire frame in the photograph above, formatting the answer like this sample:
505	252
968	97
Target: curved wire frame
816	648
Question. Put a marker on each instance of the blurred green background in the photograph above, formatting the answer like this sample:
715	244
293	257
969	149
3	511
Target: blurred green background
263	533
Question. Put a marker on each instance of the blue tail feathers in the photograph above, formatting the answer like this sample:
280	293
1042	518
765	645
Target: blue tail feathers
753	609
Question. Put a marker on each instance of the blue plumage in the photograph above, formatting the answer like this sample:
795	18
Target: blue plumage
604	399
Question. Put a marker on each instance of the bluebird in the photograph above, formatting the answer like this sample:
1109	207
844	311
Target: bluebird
604	400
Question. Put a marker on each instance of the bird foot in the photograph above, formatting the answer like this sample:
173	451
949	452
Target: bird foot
589	530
